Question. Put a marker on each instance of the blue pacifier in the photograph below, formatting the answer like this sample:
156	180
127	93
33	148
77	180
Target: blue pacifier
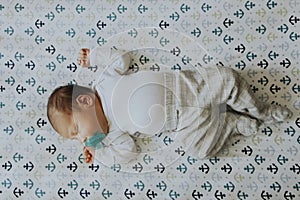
95	141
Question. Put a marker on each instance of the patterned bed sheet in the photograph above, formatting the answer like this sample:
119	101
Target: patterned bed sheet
39	45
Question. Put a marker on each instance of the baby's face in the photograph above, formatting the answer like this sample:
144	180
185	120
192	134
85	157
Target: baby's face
80	125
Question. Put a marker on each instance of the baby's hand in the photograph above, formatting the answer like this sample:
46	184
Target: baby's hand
89	154
84	57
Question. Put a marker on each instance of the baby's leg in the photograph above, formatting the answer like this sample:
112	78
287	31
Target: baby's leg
236	93
235	123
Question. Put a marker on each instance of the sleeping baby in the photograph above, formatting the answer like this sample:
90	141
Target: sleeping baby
205	104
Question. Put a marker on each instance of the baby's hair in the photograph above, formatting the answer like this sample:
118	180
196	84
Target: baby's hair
63	99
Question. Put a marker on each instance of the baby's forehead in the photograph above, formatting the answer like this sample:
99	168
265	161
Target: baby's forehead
54	112
63	123
60	116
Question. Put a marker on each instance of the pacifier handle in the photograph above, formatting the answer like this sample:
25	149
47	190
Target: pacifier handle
95	141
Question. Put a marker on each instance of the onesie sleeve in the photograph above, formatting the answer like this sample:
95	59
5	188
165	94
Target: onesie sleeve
118	148
111	60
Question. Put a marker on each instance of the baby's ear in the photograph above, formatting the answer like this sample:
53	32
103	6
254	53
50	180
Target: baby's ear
85	100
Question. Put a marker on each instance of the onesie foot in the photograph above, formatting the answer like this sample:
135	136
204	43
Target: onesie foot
247	126
279	114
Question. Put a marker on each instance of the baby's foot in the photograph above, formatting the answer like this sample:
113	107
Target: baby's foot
279	114
247	126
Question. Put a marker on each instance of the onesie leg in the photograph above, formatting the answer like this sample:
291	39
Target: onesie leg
246	125
235	123
236	92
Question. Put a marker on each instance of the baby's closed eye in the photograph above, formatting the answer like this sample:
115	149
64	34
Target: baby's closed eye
73	135
74	131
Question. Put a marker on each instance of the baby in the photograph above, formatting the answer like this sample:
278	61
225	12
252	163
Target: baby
207	104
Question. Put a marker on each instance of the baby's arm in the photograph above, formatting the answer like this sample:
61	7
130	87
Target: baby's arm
118	148
117	60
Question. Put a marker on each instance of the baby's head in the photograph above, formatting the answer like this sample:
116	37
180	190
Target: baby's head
72	111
